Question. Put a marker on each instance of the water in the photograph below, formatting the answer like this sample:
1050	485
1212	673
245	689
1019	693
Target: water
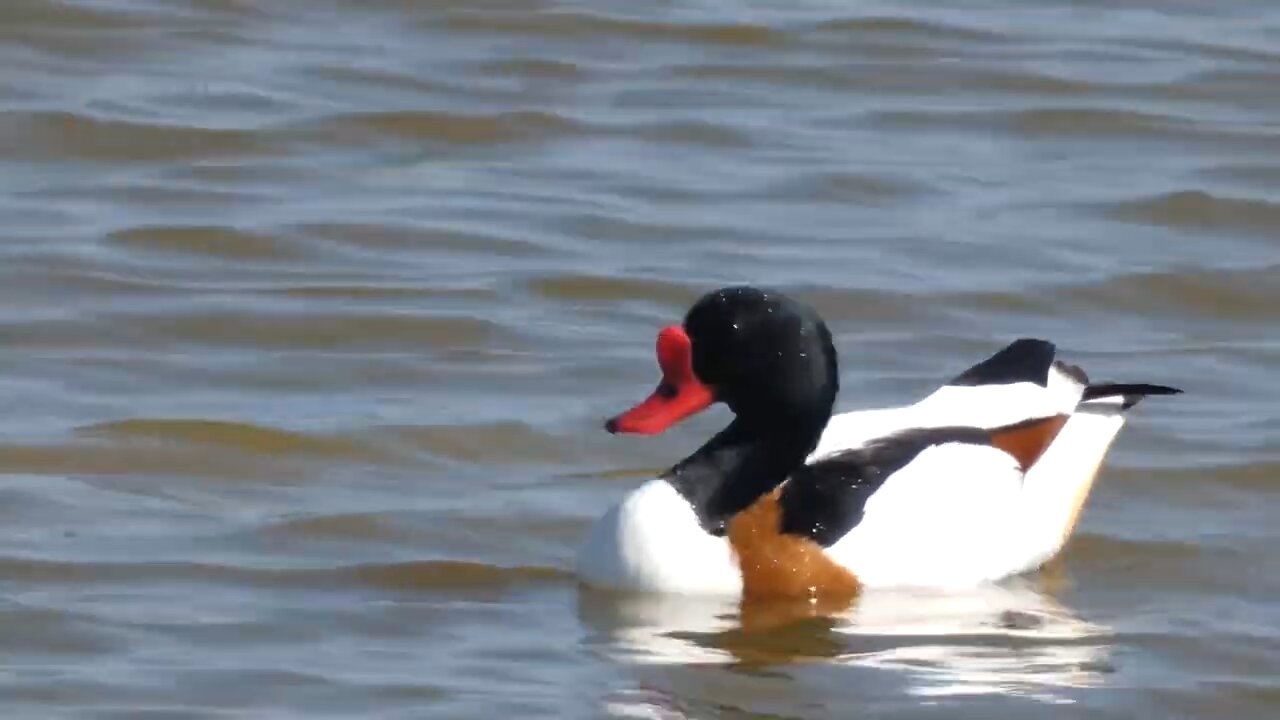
310	312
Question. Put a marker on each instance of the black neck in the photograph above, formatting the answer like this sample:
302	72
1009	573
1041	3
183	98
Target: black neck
739	465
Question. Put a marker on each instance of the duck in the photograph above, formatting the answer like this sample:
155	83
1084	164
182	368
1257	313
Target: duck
982	479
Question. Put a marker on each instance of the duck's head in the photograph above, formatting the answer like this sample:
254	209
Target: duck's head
768	357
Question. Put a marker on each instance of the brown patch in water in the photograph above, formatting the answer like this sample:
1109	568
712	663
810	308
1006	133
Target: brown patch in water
762	613
779	566
786	631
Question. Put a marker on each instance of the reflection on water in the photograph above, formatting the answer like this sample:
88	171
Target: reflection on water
1009	639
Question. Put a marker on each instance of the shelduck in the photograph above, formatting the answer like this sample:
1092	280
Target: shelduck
982	479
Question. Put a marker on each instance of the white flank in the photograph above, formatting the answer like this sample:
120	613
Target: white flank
949	518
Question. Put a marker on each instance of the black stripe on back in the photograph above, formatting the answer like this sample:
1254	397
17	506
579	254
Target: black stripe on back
825	500
1024	360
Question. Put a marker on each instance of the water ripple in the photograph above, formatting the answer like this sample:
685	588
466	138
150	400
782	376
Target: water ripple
423	576
442	127
1199	210
66	135
578	24
208	241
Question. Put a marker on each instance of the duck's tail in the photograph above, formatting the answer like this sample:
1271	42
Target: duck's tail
1126	394
1056	488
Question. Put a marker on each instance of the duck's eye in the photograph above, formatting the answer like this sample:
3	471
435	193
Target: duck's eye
666	391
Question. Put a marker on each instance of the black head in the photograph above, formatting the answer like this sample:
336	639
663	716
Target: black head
767	356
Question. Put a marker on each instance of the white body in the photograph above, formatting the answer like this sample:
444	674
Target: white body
956	515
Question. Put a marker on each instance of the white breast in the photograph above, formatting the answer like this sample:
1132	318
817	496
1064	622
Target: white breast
652	541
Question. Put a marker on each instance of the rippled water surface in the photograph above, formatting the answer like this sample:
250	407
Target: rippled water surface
310	311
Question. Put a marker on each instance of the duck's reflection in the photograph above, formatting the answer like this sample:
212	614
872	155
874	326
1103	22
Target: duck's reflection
1009	639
